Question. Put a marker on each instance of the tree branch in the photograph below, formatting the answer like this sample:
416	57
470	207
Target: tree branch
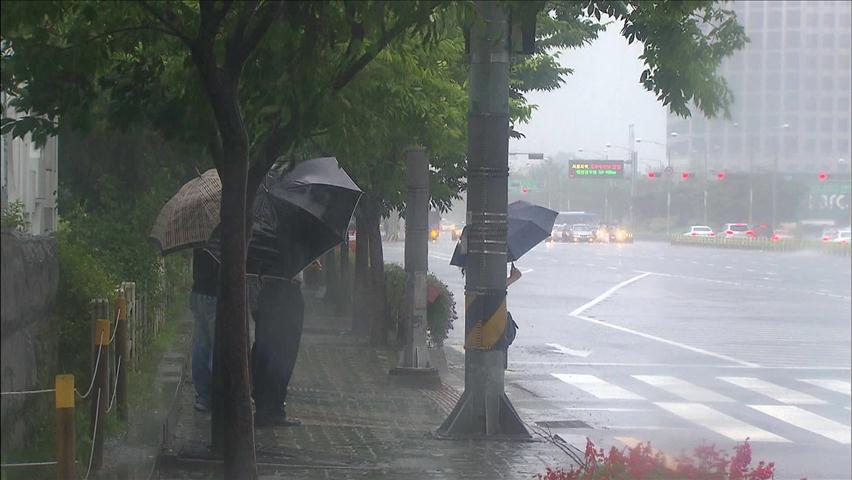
173	28
347	73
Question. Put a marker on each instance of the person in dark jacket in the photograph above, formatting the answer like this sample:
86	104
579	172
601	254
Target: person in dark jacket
202	303
278	310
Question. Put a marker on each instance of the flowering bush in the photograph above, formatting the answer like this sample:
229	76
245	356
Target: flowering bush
641	462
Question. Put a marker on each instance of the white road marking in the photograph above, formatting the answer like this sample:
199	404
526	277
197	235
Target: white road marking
600	298
808	421
682	365
838	386
612	268
590	265
596	386
457	347
728	267
605	409
719	422
523	272
569	351
669	342
440	256
776	392
682	388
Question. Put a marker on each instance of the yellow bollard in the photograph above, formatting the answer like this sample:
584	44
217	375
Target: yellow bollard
66	446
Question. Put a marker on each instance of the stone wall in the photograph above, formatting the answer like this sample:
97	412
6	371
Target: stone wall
30	277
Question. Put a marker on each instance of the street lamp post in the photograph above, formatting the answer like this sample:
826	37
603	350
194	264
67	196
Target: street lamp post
775	177
603	156
669	179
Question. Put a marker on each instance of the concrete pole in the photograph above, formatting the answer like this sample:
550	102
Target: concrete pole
484	410
668	190
634	159
750	186
706	172
774	192
415	356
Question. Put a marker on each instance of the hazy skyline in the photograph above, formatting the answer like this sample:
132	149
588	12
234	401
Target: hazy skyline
596	104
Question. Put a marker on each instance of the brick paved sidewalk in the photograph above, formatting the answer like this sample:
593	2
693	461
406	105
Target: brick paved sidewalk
357	424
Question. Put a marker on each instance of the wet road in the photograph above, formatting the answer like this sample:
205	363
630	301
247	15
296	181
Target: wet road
679	345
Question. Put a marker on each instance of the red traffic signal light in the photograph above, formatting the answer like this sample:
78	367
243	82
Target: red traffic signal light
720	176
652	174
684	175
823	176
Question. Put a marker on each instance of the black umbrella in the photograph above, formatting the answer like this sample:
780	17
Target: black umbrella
299	215
528	225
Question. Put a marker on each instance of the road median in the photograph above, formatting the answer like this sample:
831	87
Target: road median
765	244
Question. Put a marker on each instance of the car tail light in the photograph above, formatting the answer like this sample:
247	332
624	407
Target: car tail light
750	233
694	234
825	238
712	234
729	232
775	238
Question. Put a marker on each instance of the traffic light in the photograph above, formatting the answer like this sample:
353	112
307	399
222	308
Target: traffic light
823	176
720	176
684	175
652	174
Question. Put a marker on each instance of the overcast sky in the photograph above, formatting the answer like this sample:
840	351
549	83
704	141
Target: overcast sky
596	104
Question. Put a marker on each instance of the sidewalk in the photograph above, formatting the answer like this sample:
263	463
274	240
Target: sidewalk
356	424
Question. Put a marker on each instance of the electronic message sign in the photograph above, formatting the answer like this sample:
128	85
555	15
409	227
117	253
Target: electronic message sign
596	169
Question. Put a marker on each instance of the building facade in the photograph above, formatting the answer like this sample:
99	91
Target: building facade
791	87
30	175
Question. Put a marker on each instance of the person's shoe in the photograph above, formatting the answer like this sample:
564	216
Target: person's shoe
201	406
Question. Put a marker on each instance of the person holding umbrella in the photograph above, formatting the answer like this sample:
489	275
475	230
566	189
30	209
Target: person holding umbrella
202	303
527	226
300	214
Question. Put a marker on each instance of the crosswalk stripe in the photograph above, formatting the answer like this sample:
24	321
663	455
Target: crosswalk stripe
776	392
838	386
682	389
719	422
808	421
596	386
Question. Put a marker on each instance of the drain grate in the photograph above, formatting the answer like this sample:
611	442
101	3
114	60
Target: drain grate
563	424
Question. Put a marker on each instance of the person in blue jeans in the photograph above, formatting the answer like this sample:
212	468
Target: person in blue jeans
202	303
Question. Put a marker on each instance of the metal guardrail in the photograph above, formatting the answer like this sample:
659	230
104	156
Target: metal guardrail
765	244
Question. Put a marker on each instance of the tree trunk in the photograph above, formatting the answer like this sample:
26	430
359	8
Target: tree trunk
344	297
360	306
377	297
233	412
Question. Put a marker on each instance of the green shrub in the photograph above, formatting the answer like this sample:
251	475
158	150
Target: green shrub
440	314
81	279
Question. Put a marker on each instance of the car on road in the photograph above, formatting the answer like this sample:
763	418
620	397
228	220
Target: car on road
738	230
843	236
829	234
579	233
456	232
700	231
620	234
781	234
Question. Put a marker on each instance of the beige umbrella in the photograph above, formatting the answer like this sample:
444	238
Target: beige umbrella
187	220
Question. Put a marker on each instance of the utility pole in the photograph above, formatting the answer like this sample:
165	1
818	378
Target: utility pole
668	189
706	173
484	410
414	359
774	191
634	161
750	184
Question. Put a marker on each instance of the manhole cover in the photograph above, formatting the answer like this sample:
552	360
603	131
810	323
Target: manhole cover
563	424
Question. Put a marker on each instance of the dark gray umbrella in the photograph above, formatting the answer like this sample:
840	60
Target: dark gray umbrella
528	225
300	215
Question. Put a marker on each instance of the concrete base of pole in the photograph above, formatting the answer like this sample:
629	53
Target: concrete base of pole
484	411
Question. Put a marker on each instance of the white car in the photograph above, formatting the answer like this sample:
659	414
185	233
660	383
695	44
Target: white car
700	231
843	236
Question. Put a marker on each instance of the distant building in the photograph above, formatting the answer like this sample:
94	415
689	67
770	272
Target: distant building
794	72
29	174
